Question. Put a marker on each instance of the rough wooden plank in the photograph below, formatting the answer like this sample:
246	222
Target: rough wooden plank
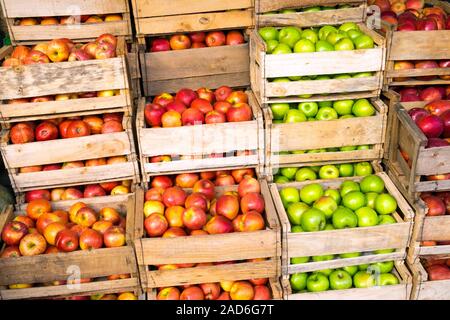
434	290
433	161
432	186
427	45
417	72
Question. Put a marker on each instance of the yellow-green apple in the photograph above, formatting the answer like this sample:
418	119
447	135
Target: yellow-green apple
58	50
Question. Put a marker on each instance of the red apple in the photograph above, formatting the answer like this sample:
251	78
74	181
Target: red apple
438	107
436	206
78	128
71	194
163	182
432	126
194	218
215	38
219	224
192	117
177	106
51	167
436	143
155	225
248	185
224	180
186	96
198	200
170	293
180	42
10	252
234	38
445	117
239	174
163	99
160	44
384	5
109	214
105	50
406	26
36	57
426	24
262	293
174	232
37	194
67	240
239	112
215	117
410	98
205	187
32	244
417	113
197	37
186	180
94	190
22	133
154	194
46	131
206	94
203	105
86	217
222	93
114	237
192	293
102	226
107	38
252	202
174	196
227	206
13	232
211	290
252	221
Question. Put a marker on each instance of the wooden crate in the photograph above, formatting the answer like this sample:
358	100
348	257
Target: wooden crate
16	9
211	248
93	264
406	136
264	16
365	240
312	135
199	141
211	67
401	291
66	77
134	70
16	156
417	45
157	17
266	66
425	289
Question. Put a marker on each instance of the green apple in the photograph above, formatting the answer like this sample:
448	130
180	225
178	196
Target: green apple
279	110
325	272
386	219
298	151
288	172
347	116
383	267
299	260
317	151
354	200
367	217
388	279
311	9
348	26
346	170
280	179
316	169
328	8
362	75
289	36
310	35
342	76
340	280
326	114
295	78
363	108
271	45
317	282
325	30
370	197
323	104
347	148
384	251
350	255
309	108
304	174
353	34
329	227
323	77
329	171
348	186
363	42
372	183
275	121
344	218
323	46
293	116
363	169
296	229
333	193
385	204
282	48
298	281
334	37
325	257
304	45
362	279
311	193
332	149
276	80
312	119
327	205
343	107
313	220
268	33
295	211
352	270
344	44
289	195
363	147
287	11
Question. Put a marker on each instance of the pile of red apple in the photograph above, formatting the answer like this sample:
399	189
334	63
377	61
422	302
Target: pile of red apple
74	193
256	289
68	20
411	15
411	94
438	204
67	96
172	211
189	107
109	296
434	121
422	64
197	40
438	269
74	127
60	50
44	231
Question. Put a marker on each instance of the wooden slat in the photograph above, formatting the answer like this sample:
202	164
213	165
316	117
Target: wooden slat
419	82
437	185
417	72
269	5
434	250
433	161
434	290
427	45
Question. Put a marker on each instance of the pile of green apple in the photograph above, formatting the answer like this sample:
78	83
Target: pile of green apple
347	36
363	204
362	276
322	110
310	9
329	171
346	148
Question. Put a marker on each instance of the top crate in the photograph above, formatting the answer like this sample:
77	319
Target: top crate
266	17
156	17
29	34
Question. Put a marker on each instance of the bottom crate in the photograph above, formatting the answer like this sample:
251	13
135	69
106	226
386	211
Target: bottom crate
426	289
400	291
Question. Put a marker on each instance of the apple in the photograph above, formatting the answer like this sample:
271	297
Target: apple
363	42
222	93
45	219
215	38
435	205
383	267
234	38
194	218
170	293
326	113
251	202
437	107
211	290
432	126
367	217
192	116
294	115
58	50
242	290
71	194
197	200
248	185
298	281
192	293
174	232
197	36
311	193
363	108
340	280
304	45
114	237
163	182
67	240
13	232
163	99
25	220
344	218
22	133
304	174
289	172
344	44
180	42
289	195
38	207
35	57
37	194
289	36
387	279
110	214
327	205
372	183
317	282
86	217
329	172
78	128
32	244
155	225
218	224
313	220
160	44
20	53
354	200
90	239
174	196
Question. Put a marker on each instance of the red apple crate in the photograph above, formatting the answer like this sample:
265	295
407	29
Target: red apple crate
19	9
210	67
426	289
406	136
28	81
92	263
266	66
274	286
199	141
265	17
413	46
211	248
363	239
16	156
158	17
401	291
313	135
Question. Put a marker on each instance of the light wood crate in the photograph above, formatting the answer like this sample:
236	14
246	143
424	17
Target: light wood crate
425	289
